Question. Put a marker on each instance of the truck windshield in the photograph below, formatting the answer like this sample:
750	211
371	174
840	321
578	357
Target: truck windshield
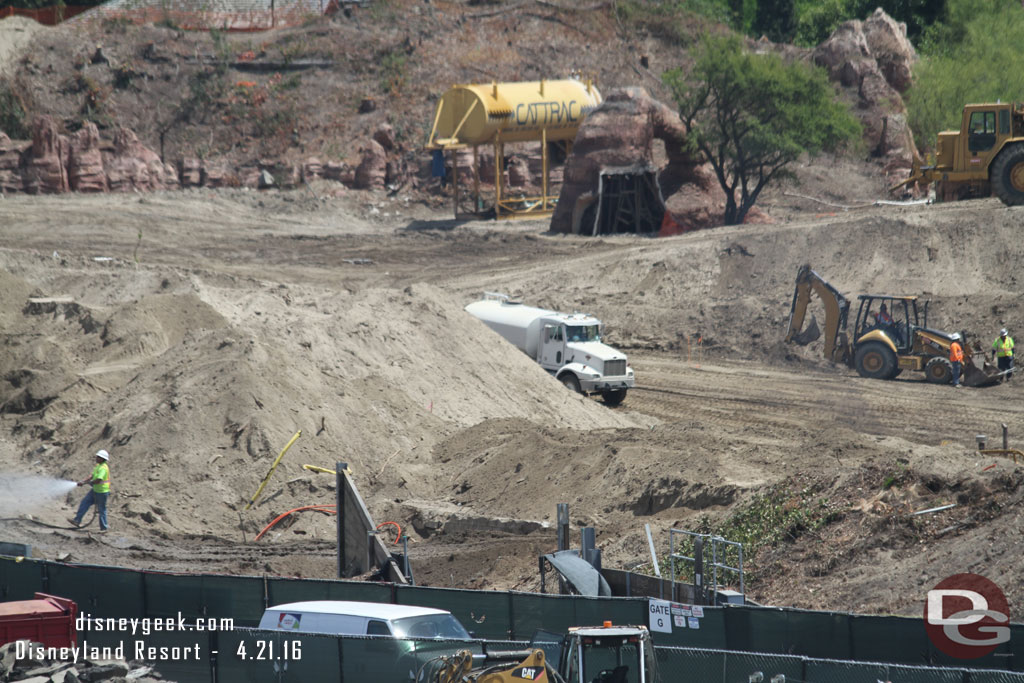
430	626
602	662
583	333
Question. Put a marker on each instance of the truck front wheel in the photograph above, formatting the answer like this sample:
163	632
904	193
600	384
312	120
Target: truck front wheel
570	381
613	397
1008	175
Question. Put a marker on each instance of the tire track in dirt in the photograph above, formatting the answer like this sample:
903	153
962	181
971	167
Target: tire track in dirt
750	394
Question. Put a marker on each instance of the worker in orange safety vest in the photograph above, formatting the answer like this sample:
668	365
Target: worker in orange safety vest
956	358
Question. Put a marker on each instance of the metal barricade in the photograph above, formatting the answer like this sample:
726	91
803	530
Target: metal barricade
719	546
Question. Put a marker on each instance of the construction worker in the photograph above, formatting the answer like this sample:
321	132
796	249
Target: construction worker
1003	349
885	320
956	358
98	494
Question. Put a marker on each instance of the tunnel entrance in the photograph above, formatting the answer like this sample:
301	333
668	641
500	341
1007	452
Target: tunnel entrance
628	201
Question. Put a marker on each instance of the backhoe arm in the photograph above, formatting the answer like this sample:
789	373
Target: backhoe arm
836	309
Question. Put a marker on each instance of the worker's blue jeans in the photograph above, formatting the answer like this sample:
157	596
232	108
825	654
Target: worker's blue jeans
100	500
956	373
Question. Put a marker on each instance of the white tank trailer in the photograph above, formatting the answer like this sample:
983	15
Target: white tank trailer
568	345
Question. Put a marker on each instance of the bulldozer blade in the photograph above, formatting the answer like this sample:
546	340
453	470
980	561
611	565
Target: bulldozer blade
977	377
812	333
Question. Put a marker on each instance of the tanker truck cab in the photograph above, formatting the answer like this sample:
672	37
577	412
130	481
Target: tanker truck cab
568	345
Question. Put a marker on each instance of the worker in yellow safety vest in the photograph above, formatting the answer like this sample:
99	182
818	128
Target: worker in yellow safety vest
98	494
956	358
1003	348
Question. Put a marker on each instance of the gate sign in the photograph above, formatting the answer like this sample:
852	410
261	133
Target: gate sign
661	615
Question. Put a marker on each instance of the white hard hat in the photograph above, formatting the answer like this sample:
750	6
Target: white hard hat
955	336
103	454
1003	332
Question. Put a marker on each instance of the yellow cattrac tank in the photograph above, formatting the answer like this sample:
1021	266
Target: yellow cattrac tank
512	112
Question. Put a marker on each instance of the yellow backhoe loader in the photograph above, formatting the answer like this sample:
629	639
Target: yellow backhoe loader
600	654
890	335
984	157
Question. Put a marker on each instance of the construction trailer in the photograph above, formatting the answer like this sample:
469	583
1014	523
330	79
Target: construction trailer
496	114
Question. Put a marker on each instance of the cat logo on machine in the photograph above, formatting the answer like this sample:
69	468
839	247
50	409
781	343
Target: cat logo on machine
530	673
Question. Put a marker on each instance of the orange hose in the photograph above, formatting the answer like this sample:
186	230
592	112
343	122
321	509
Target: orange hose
329	509
394	524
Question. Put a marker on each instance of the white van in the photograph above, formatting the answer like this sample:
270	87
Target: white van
363	619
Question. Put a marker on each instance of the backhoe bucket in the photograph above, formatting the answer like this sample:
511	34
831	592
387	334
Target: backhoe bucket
981	377
812	333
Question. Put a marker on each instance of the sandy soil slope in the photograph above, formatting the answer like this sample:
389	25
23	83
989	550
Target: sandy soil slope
192	334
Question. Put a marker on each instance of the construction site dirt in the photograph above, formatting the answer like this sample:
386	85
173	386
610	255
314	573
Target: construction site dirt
192	334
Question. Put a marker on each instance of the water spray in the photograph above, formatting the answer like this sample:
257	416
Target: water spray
21	493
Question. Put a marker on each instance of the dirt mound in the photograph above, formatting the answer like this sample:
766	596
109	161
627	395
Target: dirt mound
167	374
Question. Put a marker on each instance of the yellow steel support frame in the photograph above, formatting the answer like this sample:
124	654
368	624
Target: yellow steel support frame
520	207
476	178
525	207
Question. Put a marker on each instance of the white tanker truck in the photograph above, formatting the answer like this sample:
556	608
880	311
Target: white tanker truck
568	345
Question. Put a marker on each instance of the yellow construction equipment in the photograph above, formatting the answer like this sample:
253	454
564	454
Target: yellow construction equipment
890	335
984	157
500	113
586	654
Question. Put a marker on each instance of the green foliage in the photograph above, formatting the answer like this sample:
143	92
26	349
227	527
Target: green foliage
918	15
782	514
975	57
14	118
752	115
816	21
775	19
804	22
392	71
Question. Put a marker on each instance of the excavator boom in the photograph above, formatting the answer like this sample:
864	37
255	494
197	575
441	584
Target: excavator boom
837	308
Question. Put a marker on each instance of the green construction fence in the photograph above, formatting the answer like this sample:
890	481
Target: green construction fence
492	615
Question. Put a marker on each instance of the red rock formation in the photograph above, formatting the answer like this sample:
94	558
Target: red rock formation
372	170
620	133
46	172
191	172
335	170
133	166
312	169
85	166
216	175
11	153
873	60
518	172
385	136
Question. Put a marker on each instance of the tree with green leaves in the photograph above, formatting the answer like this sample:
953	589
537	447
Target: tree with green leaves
752	115
974	56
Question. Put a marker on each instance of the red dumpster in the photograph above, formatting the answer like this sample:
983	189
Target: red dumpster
47	619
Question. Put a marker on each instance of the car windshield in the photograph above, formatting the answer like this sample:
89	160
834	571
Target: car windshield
430	626
583	333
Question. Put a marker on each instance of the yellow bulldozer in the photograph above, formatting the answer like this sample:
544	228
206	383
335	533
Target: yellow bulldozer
984	157
890	335
586	654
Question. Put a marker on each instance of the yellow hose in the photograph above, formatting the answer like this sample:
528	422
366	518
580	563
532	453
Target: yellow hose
273	467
